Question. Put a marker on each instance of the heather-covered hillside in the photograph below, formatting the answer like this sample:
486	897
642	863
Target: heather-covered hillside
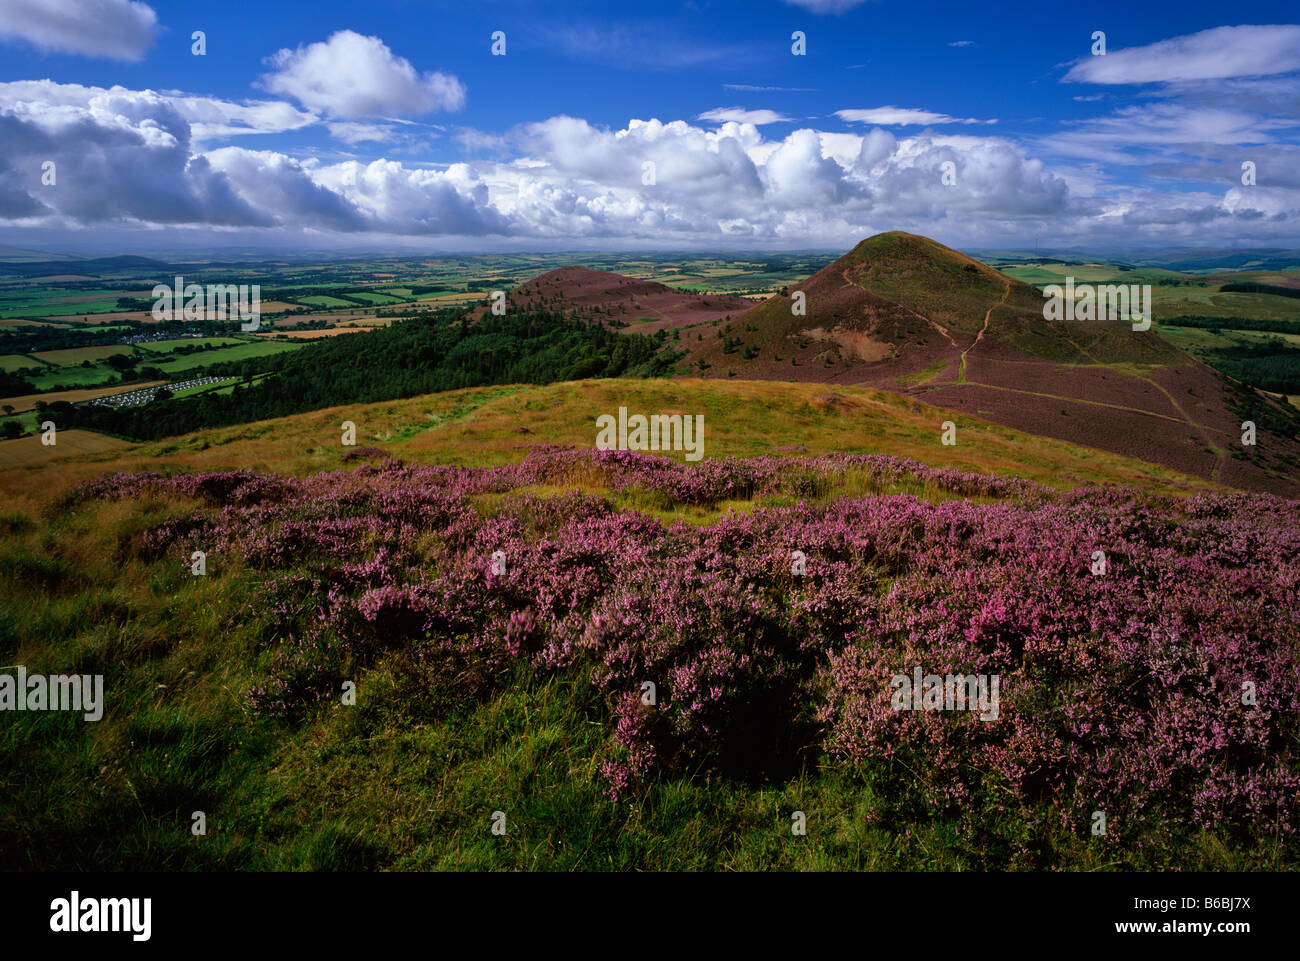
500	625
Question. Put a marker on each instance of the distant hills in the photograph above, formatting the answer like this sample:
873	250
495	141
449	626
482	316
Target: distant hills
1192	259
21	254
95	267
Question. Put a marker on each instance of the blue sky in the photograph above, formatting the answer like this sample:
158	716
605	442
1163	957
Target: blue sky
618	126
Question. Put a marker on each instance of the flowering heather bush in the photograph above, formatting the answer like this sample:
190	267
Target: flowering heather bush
1120	692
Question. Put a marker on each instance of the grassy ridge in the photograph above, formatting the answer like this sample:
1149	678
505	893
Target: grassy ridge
495	425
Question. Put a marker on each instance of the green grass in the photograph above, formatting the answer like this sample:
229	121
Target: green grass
12	362
1082	274
45	309
29	419
166	346
320	300
480	427
1209	302
62	378
923	376
1200	339
205	358
377	298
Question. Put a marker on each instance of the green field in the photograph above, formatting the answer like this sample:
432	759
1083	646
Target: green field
1208	302
244	351
1040	274
63	369
29	419
376	298
166	346
321	300
64	310
46	302
1197	338
62	378
1194	294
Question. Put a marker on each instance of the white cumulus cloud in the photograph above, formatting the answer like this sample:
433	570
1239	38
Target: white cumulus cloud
350	76
209	118
114	29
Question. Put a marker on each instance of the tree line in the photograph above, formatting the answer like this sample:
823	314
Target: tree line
427	354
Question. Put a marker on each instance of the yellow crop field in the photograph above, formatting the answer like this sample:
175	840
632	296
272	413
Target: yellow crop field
28	401
75	355
29	451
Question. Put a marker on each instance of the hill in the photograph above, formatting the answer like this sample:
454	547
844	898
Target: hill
616	300
23	255
906	313
23	266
